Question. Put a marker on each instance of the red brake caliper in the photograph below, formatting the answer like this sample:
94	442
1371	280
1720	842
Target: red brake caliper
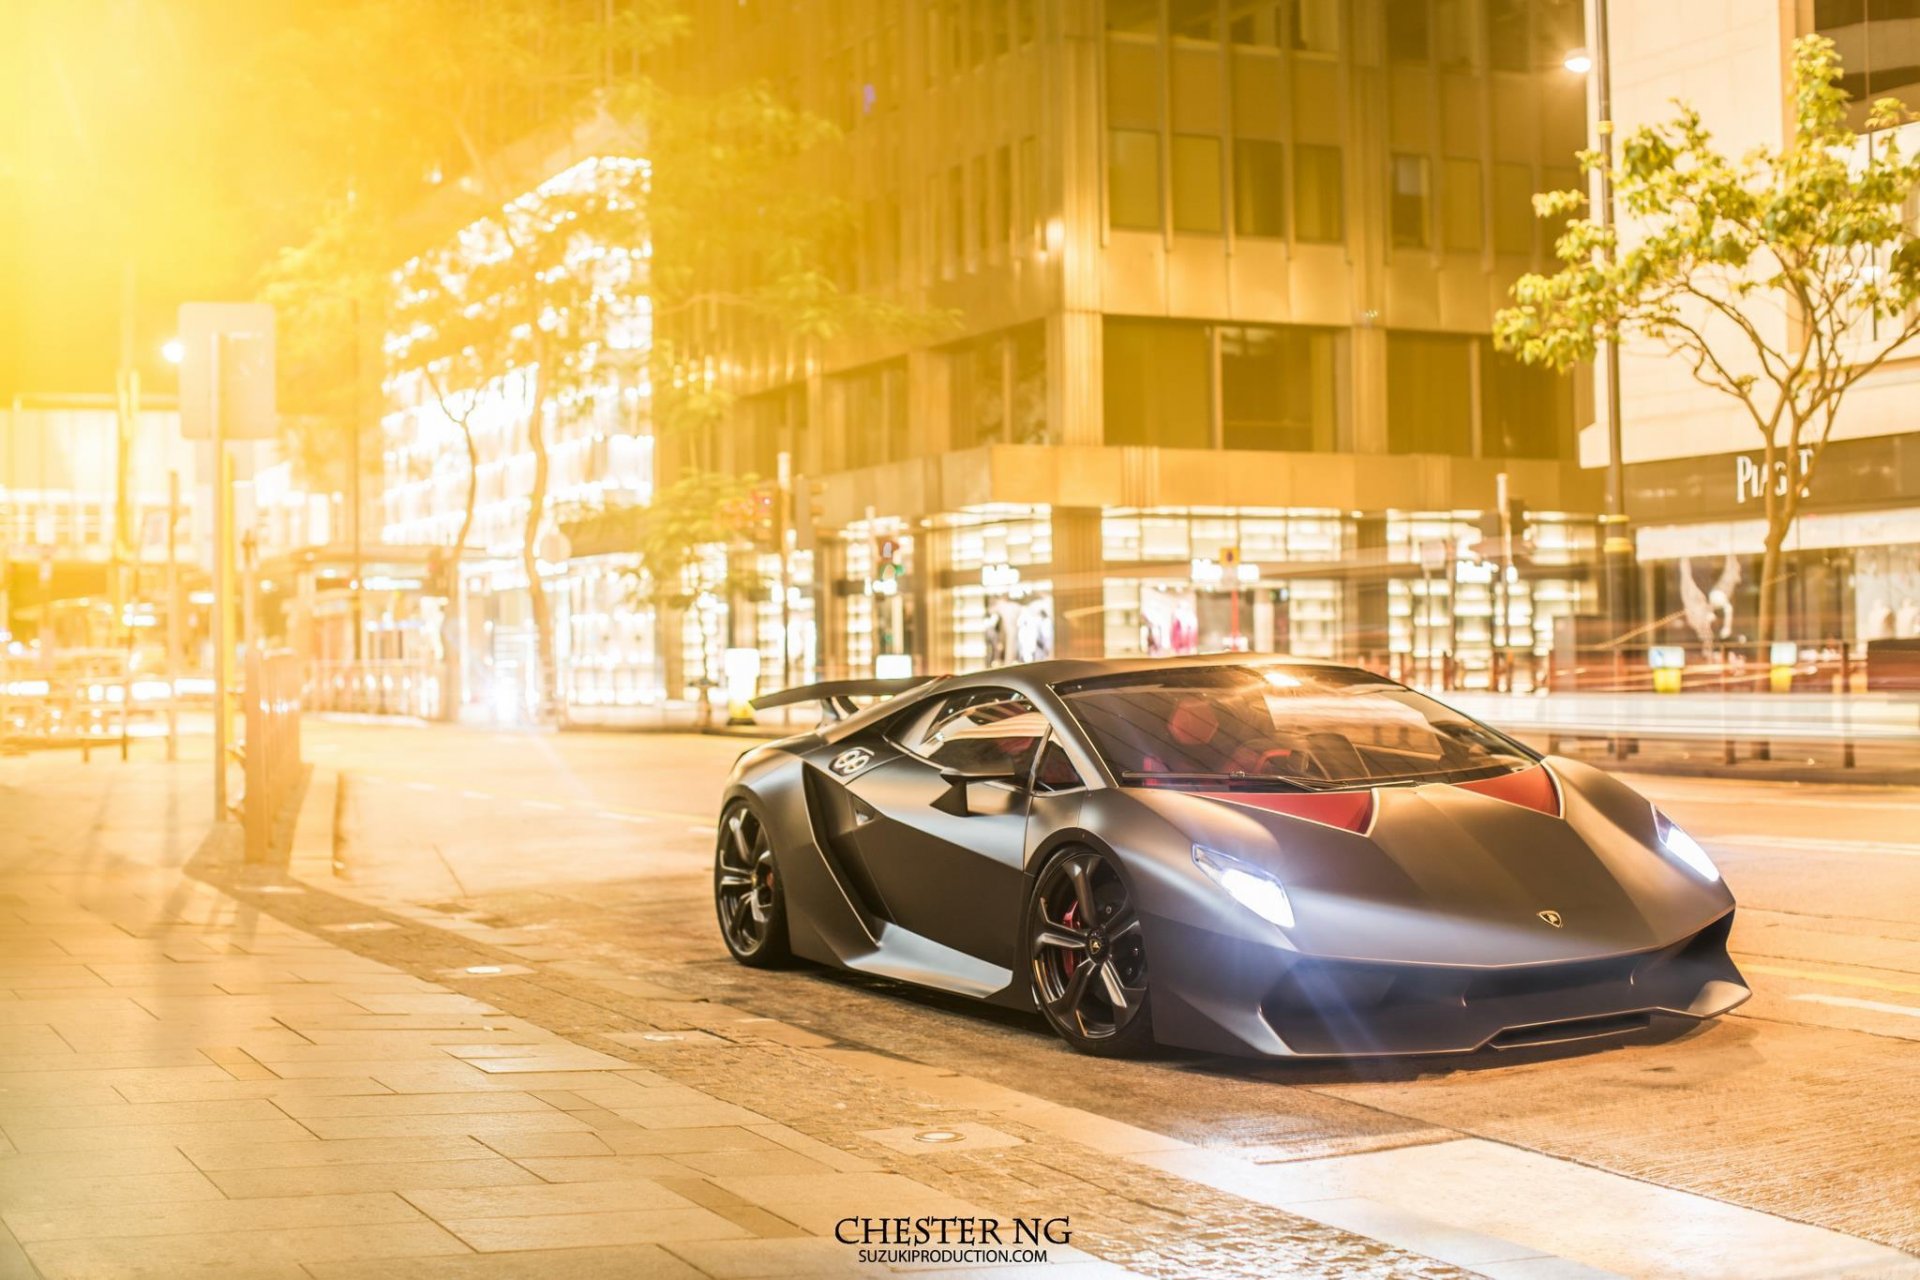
1071	920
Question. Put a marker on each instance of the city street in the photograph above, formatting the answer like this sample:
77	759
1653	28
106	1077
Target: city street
1802	1107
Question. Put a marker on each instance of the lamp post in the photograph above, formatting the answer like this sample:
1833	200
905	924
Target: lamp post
1616	543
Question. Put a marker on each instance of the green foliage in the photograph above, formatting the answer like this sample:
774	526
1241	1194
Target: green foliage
1782	277
673	538
1819	227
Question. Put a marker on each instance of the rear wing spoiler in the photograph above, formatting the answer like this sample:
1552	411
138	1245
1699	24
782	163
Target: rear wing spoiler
836	697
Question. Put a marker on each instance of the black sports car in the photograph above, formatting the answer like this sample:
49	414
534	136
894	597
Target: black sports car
1247	855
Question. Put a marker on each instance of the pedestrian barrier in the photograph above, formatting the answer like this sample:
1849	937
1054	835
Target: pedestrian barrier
271	754
375	686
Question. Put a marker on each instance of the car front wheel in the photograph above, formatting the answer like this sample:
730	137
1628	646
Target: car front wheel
1088	957
747	891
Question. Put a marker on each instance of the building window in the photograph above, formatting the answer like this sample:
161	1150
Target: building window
1156	383
933	233
1461	225
998	26
1002	198
953	252
1276	387
1454	32
1558	179
873	404
1527	411
980	238
1319	205
1408	37
1256	22
1512	209
1194	19
1133	179
1029	204
1429	394
1409	202
1316	26
1196	183
998	388
1509	47
1137	17
1259	188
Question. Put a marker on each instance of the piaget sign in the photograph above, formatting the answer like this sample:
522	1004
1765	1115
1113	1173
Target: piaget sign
1750	477
1871	472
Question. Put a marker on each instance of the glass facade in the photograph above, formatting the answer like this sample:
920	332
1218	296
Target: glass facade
980	586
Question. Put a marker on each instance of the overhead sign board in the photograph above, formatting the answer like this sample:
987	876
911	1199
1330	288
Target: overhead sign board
227	368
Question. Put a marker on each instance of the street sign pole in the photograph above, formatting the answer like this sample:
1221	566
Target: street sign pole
783	535
226	396
222	577
172	664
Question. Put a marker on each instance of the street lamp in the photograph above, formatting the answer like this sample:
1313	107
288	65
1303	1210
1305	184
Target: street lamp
173	351
1616	544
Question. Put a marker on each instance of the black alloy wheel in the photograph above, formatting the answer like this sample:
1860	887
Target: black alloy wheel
746	890
1089	959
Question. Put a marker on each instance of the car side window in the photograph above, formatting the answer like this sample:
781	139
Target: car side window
1055	772
979	729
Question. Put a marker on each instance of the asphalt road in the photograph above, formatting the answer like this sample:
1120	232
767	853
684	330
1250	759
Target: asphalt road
1803	1104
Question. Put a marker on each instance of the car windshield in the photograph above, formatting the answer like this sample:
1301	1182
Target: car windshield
1281	726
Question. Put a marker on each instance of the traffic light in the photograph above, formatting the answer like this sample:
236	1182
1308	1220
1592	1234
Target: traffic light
761	518
438	579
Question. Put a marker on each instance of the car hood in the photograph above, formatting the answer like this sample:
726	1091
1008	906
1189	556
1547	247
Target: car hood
1453	875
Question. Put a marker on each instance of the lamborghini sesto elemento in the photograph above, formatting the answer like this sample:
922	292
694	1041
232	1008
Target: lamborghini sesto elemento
1239	854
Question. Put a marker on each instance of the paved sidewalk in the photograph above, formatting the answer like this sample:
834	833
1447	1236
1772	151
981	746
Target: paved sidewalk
197	1079
189	1086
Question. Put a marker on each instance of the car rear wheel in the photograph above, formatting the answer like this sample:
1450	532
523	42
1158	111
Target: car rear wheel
747	891
1088	958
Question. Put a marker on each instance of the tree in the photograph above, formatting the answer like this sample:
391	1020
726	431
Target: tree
1783	278
722	209
687	542
539	298
429	122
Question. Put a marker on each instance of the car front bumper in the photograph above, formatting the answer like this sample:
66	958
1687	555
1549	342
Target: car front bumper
1226	995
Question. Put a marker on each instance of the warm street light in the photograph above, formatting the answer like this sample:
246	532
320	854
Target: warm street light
1579	62
173	351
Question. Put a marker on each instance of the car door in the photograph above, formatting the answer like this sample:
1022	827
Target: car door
947	871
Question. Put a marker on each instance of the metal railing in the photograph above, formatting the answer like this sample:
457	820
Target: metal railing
377	686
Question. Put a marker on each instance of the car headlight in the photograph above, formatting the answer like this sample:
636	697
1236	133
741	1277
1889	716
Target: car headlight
1247	885
1684	847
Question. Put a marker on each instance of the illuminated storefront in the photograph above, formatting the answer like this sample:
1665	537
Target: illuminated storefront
1419	595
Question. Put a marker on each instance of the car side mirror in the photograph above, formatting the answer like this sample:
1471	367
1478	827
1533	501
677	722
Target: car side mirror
958	780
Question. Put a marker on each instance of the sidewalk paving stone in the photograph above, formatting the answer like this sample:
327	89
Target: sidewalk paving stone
199	1078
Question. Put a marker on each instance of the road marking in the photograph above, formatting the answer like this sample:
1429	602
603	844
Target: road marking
540	804
1842	979
1871	1006
421	786
1742	798
1818	844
